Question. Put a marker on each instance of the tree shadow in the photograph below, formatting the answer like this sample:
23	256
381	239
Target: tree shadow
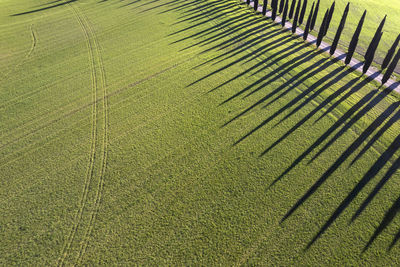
49	3
329	172
42	9
246	46
271	77
352	121
218	26
185	6
291	84
264	48
198	15
216	29
389	216
354	88
378	186
371	173
341	73
376	137
130	3
170	3
264	37
238	38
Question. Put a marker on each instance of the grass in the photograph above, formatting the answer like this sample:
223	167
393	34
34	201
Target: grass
139	132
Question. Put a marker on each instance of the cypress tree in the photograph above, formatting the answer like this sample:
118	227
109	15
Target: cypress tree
390	53
339	30
376	36
391	68
370	58
296	17
303	12
314	18
354	40
274	6
307	29
292	9
322	29
281	6
264	11
328	20
255	5
285	11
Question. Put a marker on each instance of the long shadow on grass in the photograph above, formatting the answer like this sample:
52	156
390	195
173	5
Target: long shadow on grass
276	74
377	136
331	79
44	8
352	122
225	23
49	3
260	29
333	134
371	173
265	48
394	209
199	15
227	31
130	3
155	1
293	83
170	3
198	9
354	88
265	63
277	43
395	166
342	120
244	48
389	216
195	7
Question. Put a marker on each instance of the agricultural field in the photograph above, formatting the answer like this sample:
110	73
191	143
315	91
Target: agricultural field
174	132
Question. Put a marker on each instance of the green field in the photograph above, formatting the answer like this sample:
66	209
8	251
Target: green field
173	132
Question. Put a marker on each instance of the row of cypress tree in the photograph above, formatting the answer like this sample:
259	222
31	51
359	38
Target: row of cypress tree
297	14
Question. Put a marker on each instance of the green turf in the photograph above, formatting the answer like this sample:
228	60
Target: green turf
119	122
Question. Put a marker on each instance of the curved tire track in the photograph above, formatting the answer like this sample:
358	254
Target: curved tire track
96	65
28	55
100	183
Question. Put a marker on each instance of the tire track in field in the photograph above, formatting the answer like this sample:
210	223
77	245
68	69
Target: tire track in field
100	183
34	41
91	165
28	55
